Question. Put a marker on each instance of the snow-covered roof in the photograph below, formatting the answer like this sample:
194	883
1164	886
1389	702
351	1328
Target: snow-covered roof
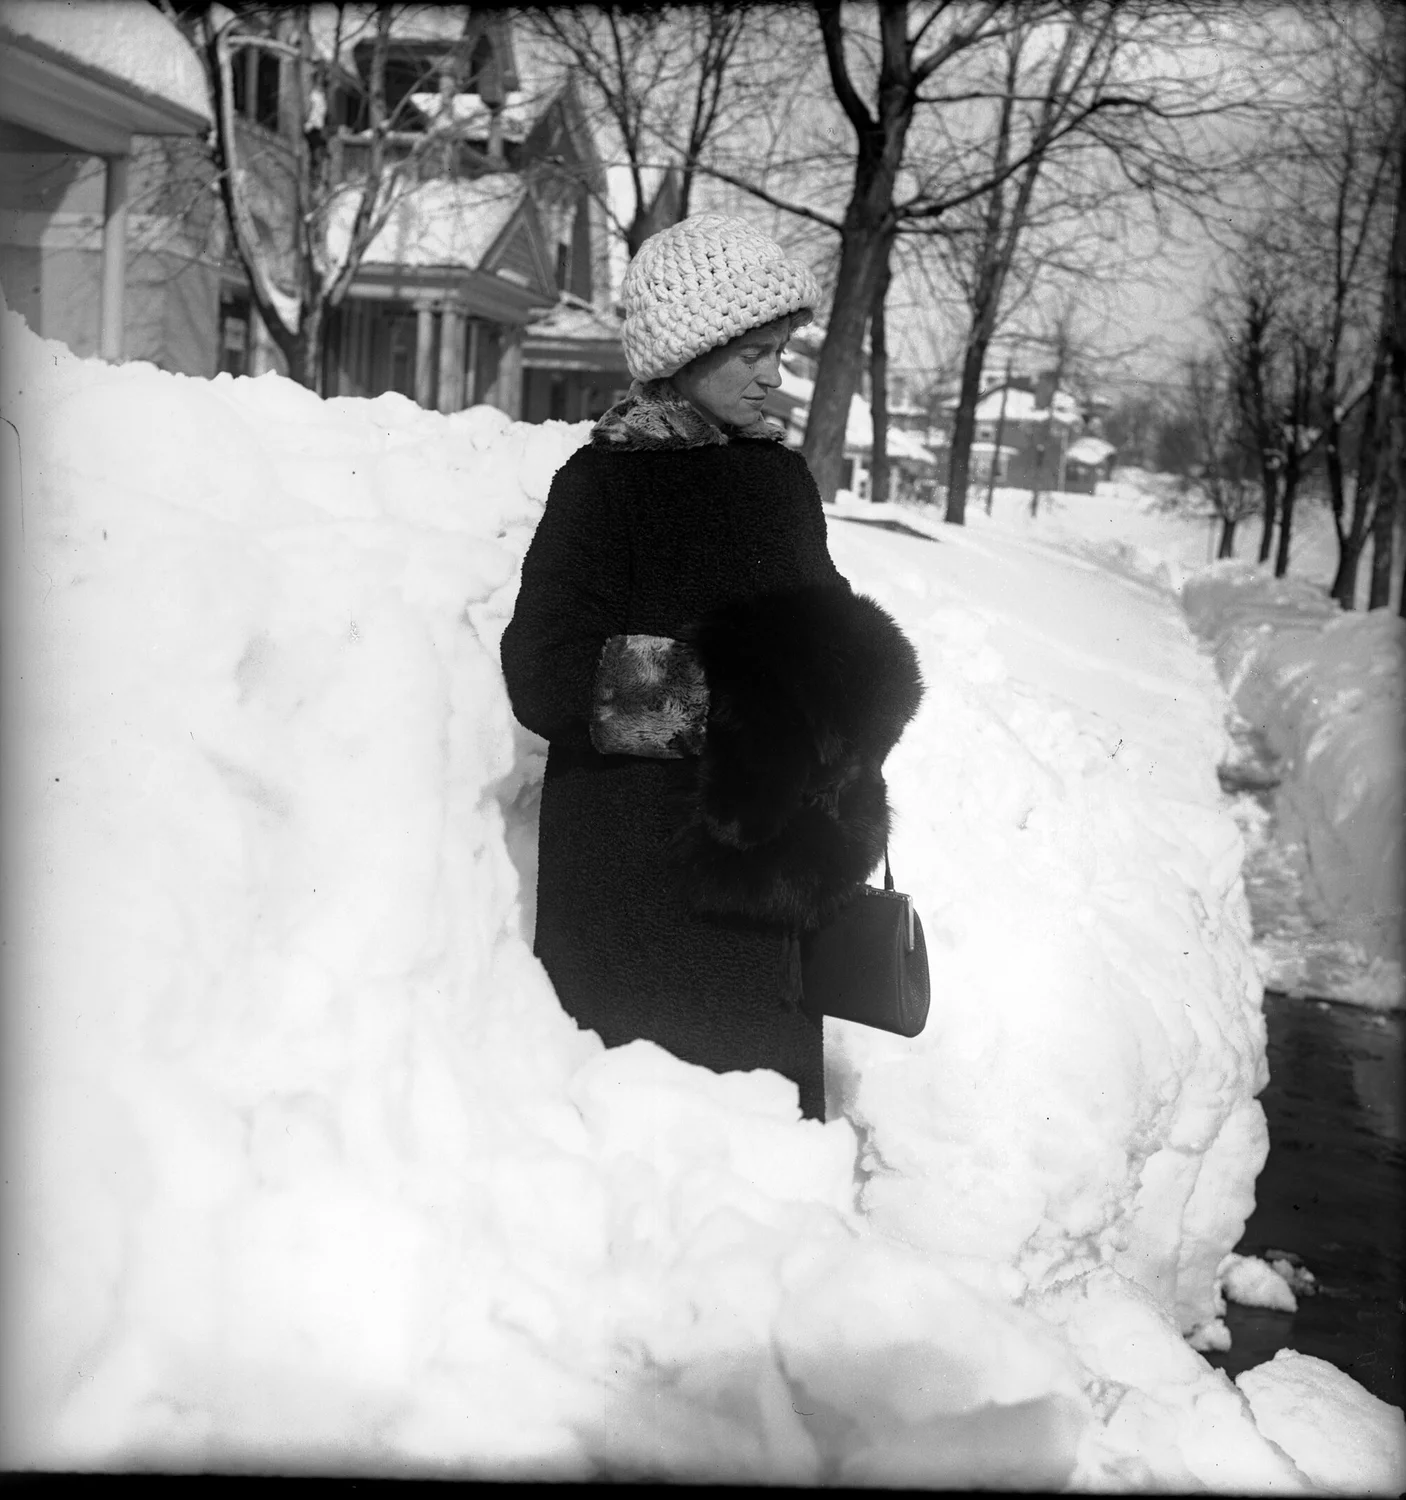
1021	407
1089	450
441	222
130	70
573	319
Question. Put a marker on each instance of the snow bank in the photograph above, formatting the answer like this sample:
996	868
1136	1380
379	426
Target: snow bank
1328	1425
307	1170
1327	690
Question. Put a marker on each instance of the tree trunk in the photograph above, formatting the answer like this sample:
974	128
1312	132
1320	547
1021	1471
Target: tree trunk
1000	438
1286	525
1344	588
964	430
878	390
1269	513
1383	537
304	353
1227	538
864	251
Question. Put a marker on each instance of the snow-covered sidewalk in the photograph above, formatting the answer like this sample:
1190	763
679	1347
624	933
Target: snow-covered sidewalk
308	1168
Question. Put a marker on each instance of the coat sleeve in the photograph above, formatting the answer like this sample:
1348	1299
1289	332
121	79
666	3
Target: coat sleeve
573	596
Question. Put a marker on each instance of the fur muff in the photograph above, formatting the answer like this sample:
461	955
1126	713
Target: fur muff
808	692
649	698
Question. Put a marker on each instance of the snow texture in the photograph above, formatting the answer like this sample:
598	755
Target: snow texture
308	1171
1256	1283
1328	1425
1327	691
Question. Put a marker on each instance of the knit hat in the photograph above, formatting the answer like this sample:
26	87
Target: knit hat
701	283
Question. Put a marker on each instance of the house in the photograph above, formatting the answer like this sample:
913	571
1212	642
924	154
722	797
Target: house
913	465
488	283
1027	431
96	97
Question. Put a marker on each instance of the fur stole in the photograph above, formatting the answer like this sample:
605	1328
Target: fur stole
653	415
808	692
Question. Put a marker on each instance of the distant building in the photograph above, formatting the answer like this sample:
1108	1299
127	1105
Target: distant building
913	465
1034	435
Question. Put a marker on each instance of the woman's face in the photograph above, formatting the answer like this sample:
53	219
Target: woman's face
729	383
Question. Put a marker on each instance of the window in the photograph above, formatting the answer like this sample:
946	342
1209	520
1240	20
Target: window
257	77
234	335
563	266
483	79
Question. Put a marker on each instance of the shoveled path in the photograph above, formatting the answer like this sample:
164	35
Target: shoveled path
1332	1195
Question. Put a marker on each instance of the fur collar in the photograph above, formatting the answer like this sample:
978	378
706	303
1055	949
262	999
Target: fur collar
653	416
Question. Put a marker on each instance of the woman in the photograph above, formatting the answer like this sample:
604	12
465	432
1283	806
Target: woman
718	702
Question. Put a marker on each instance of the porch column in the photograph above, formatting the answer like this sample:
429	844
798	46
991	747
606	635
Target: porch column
510	374
471	392
114	272
451	359
424	352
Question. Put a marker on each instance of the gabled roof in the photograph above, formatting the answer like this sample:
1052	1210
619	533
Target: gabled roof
562	112
439	222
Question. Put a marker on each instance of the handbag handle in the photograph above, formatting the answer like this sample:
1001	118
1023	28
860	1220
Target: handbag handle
907	900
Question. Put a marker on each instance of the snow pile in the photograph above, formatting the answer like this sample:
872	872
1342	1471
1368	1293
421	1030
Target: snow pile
1253	1282
1328	1425
1327	690
308	1170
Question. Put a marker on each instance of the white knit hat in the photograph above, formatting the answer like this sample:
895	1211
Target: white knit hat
701	283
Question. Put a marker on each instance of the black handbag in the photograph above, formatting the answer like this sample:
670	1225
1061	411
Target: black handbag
869	963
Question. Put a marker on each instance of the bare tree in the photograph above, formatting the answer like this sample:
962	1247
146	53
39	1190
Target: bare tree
1383	464
891	66
1305	265
1219	472
665	83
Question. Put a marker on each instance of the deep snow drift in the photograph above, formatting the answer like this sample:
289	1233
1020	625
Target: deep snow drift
1327	692
307	1169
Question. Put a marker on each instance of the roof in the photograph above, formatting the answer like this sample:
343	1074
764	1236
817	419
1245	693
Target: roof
1089	450
93	73
440	222
575	336
1020	406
